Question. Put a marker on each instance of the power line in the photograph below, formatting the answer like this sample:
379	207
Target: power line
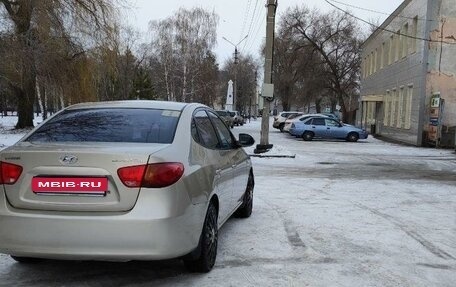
245	18
379	12
255	37
256	21
251	22
387	30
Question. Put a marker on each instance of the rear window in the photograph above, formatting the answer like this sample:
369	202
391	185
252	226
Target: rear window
222	113
109	125
318	122
293	116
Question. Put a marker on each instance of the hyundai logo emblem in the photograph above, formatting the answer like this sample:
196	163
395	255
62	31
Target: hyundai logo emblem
68	159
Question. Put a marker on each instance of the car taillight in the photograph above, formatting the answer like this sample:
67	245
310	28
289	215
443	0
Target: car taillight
9	173
154	175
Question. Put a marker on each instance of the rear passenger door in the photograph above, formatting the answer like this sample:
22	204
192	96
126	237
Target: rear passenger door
235	157
223	173
319	127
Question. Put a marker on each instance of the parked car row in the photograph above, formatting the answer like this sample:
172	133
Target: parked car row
231	118
310	126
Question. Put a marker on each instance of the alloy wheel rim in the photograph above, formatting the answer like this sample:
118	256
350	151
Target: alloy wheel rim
211	238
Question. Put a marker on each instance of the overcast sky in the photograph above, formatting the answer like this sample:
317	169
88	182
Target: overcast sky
237	16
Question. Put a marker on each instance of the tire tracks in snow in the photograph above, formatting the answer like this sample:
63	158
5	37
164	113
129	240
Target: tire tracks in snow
402	226
411	233
290	228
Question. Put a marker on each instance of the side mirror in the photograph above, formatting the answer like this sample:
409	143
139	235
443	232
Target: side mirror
246	140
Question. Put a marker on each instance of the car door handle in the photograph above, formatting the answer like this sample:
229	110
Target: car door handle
328	128
313	127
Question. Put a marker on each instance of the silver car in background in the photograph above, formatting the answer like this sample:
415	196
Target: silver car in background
120	181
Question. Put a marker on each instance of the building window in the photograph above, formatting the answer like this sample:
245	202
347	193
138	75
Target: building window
393	115
405	41
414	34
400	106
371	63
408	108
385	57
382	56
398	47
391	50
375	60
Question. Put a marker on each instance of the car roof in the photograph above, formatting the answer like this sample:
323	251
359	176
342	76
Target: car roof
164	105
314	116
291	112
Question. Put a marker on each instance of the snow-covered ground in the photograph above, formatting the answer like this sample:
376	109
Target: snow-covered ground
338	214
8	135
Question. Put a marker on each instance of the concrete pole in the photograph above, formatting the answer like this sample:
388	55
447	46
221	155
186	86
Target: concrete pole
270	26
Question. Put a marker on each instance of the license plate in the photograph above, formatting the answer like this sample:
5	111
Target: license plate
70	185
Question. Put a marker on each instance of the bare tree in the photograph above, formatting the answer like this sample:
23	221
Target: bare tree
51	31
183	45
297	69
335	36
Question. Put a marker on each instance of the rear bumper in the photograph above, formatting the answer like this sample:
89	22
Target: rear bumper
140	234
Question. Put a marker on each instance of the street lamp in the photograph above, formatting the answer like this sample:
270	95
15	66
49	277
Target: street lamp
235	67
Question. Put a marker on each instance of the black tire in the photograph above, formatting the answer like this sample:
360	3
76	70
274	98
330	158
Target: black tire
353	137
281	126
26	260
245	210
308	136
204	262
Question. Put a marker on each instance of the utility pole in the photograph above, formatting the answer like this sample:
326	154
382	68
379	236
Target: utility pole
236	59
268	87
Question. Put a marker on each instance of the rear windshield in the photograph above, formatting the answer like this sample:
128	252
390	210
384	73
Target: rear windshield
109	125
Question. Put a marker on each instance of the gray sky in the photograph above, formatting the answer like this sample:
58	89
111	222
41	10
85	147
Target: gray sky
233	12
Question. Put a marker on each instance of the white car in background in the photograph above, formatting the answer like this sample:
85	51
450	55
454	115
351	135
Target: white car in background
279	121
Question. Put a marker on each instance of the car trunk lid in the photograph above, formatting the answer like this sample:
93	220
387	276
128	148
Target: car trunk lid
63	163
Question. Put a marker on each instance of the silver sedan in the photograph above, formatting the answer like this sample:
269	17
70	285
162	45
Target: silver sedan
120	181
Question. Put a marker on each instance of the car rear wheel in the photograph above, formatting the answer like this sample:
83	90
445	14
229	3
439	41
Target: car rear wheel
245	210
25	260
281	126
353	137
308	136
207	247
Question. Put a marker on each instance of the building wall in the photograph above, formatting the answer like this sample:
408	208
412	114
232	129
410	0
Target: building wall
398	72
441	72
418	70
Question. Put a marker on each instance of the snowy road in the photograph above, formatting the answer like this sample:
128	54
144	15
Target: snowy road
338	214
